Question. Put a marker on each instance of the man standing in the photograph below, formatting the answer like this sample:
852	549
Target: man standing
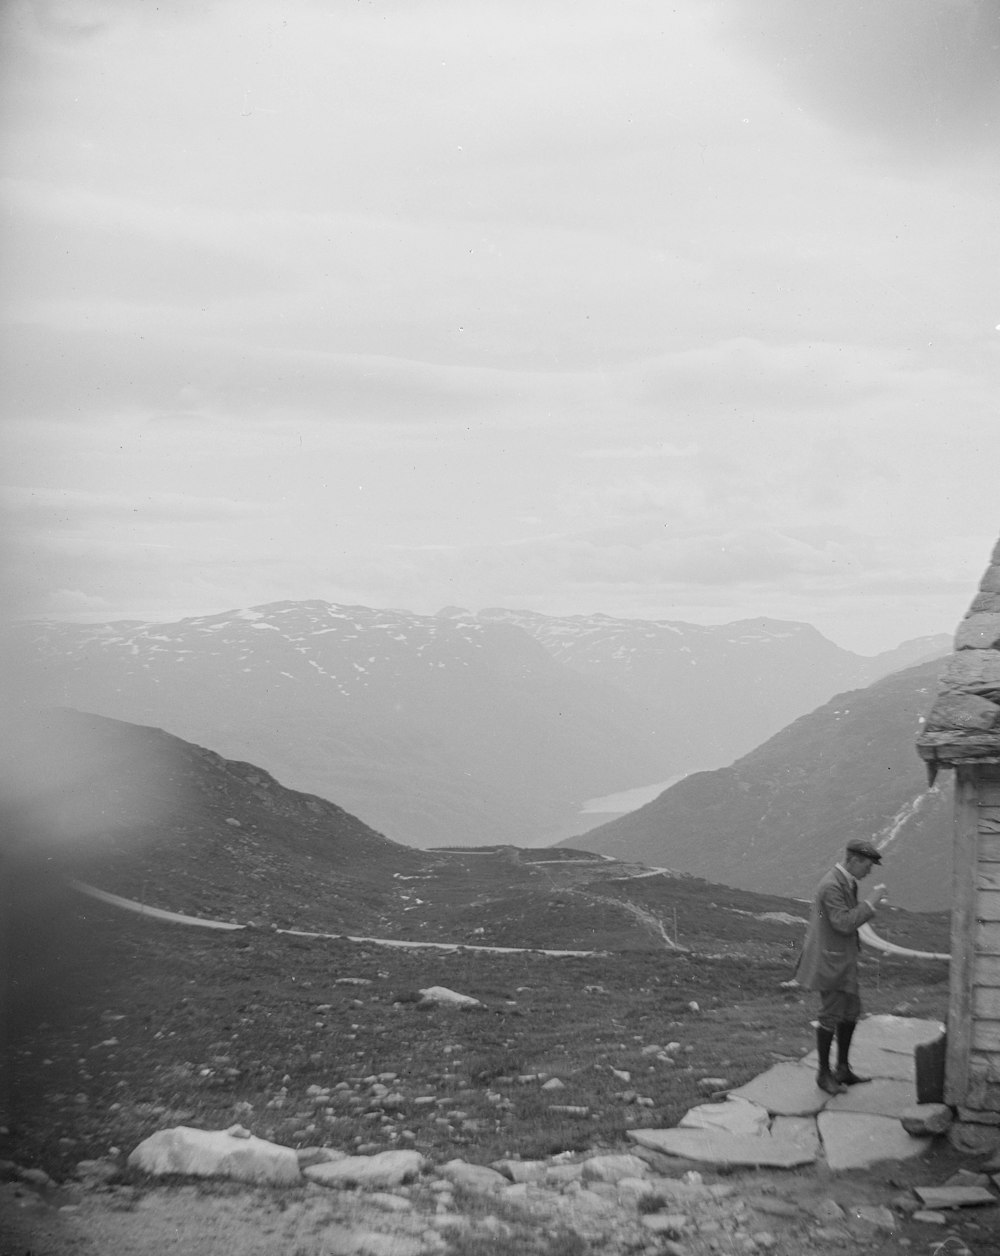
829	959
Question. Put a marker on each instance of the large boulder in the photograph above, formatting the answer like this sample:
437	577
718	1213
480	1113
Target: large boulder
216	1153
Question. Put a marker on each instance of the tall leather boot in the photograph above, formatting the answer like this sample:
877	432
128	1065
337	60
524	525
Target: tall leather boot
825	1080
843	1072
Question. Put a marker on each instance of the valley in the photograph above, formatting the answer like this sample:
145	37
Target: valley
459	728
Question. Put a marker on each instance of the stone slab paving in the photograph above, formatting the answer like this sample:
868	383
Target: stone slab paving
798	1129
722	1148
848	1131
785	1090
854	1140
897	1033
738	1116
882	1096
872	1061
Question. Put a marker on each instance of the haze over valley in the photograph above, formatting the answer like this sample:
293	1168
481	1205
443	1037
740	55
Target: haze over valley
472	729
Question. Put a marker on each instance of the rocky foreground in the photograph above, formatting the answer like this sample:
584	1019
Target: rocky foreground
396	1204
760	1168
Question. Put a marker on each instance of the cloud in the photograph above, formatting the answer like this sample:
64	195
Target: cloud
68	507
753	374
922	77
643	452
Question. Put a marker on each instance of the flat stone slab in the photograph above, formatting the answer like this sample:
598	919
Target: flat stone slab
896	1033
854	1140
954	1196
721	1148
882	1096
737	1115
801	1130
874	1061
785	1090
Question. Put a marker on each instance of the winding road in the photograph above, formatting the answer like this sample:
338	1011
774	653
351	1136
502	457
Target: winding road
867	933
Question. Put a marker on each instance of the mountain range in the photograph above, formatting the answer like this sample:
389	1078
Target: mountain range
456	728
776	818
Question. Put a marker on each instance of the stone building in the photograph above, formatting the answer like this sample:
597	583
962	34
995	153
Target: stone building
962	734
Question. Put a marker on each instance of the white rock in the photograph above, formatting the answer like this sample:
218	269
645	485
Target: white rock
93	1172
443	996
709	1085
473	1177
521	1170
389	1203
553	1084
381	1171
877	1215
671	1224
613	1168
215	1153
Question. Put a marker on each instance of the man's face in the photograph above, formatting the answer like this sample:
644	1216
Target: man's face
858	866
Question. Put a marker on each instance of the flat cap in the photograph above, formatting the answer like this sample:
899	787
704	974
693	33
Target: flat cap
858	846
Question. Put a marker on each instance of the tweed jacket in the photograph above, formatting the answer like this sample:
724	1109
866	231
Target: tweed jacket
829	959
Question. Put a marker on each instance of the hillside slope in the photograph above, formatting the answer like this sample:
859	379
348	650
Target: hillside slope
775	818
148	816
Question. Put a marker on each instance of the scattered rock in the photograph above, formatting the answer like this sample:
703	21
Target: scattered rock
967	1177
879	1217
927	1118
97	1172
775	1207
954	1196
673	1225
828	1210
389	1203
613	1168
36	1177
473	1177
521	1170
381	1171
441	996
709	1085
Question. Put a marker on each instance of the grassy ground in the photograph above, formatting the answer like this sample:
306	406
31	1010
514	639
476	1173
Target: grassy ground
121	1025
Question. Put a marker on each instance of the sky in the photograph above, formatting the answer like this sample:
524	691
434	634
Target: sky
680	311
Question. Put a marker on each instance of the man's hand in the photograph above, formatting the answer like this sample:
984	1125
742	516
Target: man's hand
879	895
